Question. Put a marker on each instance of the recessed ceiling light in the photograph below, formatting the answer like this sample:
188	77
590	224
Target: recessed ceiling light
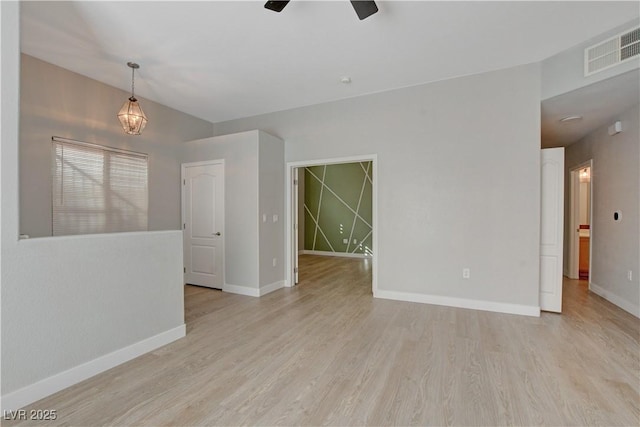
570	119
345	79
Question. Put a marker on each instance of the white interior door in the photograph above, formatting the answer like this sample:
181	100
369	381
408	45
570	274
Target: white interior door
203	223
551	229
296	222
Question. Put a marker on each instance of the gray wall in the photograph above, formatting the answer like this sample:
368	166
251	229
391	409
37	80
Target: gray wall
271	202
564	72
254	185
458	178
240	154
58	102
69	300
616	186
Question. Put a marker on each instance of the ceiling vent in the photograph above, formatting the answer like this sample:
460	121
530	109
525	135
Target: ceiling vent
612	52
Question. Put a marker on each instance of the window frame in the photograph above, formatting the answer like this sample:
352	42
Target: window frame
107	155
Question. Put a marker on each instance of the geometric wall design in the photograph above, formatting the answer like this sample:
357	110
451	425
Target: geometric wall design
337	208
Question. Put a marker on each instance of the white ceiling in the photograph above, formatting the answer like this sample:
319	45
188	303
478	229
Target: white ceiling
598	104
224	60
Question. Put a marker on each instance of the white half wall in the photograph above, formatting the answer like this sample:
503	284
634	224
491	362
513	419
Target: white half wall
68	300
71	301
458	179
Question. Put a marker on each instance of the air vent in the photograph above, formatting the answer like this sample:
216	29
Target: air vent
612	52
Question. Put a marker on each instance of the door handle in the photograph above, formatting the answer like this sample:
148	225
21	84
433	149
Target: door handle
217	234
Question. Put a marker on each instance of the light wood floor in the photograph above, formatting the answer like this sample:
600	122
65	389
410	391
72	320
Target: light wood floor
327	353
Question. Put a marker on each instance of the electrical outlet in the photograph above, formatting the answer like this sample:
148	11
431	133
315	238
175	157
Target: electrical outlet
275	217
345	241
466	273
264	217
275	262
630	275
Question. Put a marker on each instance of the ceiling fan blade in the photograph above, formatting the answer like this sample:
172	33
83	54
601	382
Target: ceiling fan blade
363	8
276	6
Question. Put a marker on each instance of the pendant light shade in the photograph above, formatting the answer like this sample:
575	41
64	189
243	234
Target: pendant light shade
131	116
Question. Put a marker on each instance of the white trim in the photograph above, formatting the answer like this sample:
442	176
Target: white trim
355	218
241	290
317	229
31	240
204	163
573	264
258	214
339	198
615	299
497	307
315	233
373	158
254	292
266	289
363	239
295	187
99	147
338	254
46	387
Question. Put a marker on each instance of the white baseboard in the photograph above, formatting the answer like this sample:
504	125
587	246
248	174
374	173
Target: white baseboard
615	299
498	307
241	290
339	254
271	287
254	292
46	387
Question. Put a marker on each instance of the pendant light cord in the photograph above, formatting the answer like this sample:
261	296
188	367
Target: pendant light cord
133	73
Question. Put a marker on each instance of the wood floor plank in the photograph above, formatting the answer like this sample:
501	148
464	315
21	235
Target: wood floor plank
327	353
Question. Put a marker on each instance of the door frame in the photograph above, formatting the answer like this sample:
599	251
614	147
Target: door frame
289	210
295	215
183	168
574	220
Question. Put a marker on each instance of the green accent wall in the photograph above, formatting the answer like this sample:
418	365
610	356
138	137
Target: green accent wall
338	206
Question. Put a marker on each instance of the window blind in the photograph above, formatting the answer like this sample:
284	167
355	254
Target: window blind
97	189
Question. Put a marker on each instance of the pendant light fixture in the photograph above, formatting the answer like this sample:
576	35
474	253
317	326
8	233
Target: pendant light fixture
131	115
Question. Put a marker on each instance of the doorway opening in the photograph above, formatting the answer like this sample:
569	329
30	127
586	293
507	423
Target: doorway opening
580	217
331	212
